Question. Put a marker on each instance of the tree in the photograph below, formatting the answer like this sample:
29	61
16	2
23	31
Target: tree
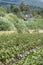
16	9
24	7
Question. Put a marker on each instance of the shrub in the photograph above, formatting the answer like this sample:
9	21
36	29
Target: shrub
11	17
5	24
3	11
38	16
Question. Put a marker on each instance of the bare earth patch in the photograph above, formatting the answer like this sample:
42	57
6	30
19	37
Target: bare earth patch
35	31
30	31
7	32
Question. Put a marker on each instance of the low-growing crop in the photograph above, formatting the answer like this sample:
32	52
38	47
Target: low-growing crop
11	46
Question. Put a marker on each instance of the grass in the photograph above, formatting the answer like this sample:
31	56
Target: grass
34	57
14	44
35	23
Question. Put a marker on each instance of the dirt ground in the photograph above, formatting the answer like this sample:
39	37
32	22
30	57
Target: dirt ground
30	31
7	32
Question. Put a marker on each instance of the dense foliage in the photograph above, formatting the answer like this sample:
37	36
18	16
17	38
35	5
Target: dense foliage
13	17
5	24
20	24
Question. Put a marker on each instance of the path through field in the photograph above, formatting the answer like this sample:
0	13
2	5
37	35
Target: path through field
7	32
36	31
30	31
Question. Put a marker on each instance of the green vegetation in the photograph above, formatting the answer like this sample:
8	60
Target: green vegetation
21	48
3	11
35	23
12	45
14	18
34	57
12	22
5	24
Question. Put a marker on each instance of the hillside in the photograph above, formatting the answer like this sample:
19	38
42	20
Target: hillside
17	21
36	3
21	32
11	22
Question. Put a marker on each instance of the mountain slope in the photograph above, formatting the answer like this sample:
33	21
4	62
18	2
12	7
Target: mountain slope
37	3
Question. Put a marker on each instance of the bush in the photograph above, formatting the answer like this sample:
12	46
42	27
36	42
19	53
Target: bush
11	17
38	16
5	24
3	11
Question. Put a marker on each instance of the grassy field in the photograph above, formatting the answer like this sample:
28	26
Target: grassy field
21	49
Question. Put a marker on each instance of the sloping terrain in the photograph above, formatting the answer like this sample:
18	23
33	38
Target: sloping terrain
13	23
17	45
10	21
37	3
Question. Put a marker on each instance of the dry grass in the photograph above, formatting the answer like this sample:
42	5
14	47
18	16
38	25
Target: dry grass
30	31
7	32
